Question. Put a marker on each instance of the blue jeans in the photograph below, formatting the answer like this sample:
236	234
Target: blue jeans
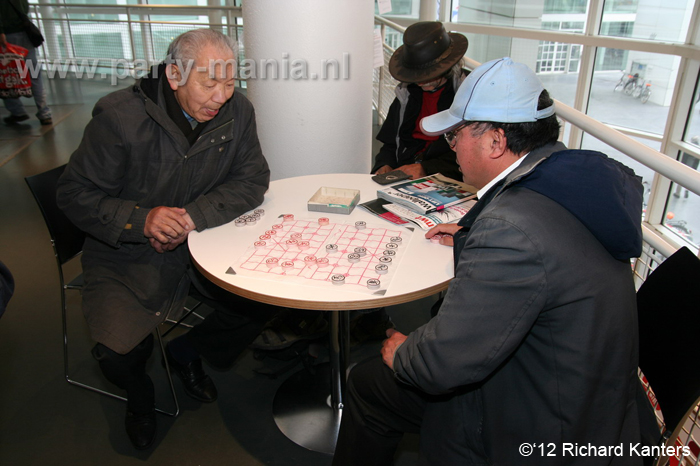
15	106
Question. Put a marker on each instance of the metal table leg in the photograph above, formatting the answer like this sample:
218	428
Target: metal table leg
308	407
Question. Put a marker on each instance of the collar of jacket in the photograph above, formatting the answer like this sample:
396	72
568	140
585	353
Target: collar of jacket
219	130
532	160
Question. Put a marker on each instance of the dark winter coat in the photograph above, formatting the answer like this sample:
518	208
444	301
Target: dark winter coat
401	148
536	340
133	157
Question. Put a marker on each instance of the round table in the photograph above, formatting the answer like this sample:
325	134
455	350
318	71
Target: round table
307	408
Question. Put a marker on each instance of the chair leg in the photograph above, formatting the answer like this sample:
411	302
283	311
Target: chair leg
180	321
175	413
167	372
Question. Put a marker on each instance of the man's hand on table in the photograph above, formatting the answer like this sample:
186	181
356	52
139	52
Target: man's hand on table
390	345
414	170
384	169
167	227
446	229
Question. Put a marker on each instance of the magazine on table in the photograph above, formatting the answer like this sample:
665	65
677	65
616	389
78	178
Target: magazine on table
428	221
428	194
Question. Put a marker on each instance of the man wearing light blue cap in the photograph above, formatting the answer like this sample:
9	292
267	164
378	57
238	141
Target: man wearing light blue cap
532	356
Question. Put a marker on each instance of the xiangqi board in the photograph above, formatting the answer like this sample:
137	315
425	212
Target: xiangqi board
356	256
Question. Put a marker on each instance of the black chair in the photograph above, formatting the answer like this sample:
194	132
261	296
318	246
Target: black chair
669	318
67	241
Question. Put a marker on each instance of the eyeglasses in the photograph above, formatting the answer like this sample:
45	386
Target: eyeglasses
451	136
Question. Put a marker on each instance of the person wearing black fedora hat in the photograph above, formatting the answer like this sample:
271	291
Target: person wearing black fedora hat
429	67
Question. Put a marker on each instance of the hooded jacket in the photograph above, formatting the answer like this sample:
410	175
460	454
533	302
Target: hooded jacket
133	157
536	340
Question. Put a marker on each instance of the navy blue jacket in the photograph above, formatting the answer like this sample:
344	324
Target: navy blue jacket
536	340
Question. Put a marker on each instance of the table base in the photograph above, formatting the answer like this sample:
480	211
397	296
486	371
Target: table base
302	410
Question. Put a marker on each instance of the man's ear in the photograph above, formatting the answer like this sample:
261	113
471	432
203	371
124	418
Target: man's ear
498	142
172	72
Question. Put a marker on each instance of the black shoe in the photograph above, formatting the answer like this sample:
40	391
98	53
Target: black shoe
141	429
14	119
369	326
289	327
197	383
46	121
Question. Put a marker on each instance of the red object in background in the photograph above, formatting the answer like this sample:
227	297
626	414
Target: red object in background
14	79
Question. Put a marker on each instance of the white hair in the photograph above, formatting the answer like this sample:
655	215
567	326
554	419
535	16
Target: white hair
188	45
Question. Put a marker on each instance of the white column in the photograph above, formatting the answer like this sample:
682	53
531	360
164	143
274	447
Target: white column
429	9
309	64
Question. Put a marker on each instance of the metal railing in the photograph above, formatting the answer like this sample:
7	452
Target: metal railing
103	40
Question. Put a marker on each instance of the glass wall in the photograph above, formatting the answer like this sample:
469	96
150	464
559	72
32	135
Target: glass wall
630	89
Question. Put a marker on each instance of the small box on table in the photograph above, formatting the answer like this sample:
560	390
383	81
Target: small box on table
334	200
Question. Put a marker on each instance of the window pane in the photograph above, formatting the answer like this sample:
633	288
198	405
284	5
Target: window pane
682	215
565	6
638	102
515	13
662	21
407	8
665	21
621	6
483	48
692	131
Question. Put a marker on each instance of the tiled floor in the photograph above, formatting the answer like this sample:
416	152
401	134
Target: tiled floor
46	421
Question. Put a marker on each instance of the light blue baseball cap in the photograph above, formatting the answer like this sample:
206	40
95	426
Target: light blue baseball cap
501	91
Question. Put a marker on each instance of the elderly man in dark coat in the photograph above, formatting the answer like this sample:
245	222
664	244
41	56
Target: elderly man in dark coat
175	152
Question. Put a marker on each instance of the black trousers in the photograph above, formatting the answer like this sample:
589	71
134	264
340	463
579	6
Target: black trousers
128	372
378	411
234	324
219	339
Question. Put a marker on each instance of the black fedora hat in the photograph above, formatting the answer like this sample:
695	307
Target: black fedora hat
428	52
